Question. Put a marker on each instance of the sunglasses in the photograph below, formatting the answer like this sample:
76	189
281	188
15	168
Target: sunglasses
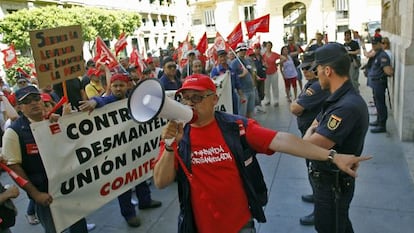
22	82
30	98
195	99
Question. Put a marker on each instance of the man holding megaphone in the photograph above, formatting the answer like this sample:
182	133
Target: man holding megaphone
209	160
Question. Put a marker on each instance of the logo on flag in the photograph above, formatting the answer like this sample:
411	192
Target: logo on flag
10	57
235	37
103	54
121	44
258	25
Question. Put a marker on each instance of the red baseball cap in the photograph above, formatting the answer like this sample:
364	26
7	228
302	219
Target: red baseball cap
93	71
120	77
46	97
198	82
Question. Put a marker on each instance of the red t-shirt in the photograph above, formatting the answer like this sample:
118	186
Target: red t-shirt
217	194
270	62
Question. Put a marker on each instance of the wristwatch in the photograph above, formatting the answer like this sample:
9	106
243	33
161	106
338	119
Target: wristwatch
331	155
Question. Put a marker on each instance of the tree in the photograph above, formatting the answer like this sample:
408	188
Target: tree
22	62
108	24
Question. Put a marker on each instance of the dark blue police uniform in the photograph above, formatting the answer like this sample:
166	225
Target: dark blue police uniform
311	99
378	83
344	120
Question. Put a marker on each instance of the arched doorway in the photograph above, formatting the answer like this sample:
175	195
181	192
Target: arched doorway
294	20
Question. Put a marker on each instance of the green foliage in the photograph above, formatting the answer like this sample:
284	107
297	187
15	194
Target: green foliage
108	24
22	63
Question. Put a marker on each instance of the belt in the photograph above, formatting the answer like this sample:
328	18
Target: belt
329	177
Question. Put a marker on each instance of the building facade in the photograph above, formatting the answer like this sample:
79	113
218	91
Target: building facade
164	22
303	19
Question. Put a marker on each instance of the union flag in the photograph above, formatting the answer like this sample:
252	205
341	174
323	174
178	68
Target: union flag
121	44
103	54
235	37
258	25
10	56
203	44
137	60
219	44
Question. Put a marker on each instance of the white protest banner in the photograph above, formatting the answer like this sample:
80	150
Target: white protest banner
92	159
223	83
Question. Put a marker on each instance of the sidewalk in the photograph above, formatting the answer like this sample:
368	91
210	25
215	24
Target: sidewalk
383	201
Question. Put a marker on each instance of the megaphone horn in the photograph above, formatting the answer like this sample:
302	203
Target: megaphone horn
148	101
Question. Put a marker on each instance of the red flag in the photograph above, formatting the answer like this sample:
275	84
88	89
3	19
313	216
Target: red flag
10	57
23	73
137	60
258	25
184	47
121	44
32	69
203	44
103	54
235	37
219	44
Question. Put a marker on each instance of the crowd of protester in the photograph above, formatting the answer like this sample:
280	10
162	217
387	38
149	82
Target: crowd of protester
253	68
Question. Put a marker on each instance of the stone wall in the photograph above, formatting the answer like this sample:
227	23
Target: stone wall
397	24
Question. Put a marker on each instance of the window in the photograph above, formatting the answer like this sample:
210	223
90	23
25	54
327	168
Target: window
342	9
209	18
196	21
342	28
342	5
342	15
249	13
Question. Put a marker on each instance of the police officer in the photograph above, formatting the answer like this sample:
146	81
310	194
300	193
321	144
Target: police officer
340	126
306	108
377	75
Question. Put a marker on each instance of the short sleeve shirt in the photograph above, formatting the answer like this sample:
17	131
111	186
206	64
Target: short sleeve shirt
311	99
269	61
381	60
221	206
344	120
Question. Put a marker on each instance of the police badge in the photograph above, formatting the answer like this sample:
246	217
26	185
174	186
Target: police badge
333	122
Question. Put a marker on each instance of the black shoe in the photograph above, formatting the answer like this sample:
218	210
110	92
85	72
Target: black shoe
378	129
134	222
374	123
308	198
153	204
307	220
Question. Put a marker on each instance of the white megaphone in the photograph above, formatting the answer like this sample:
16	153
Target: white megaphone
148	101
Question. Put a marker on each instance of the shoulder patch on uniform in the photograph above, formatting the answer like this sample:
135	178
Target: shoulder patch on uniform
310	92
384	59
333	122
